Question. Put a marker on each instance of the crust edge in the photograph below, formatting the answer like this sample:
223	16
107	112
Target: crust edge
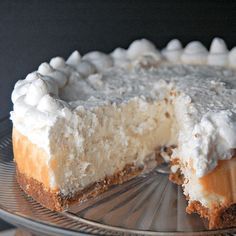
56	201
218	216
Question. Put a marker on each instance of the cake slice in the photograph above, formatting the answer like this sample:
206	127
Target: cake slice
82	125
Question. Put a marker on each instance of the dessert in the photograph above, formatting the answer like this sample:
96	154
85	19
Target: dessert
92	121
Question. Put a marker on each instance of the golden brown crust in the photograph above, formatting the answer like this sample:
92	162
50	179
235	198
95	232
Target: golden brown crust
218	216
39	192
176	177
54	200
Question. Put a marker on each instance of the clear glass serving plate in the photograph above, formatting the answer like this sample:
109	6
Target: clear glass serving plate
146	205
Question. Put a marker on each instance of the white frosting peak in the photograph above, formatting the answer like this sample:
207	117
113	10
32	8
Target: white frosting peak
86	68
173	51
195	47
120	57
57	62
52	87
20	107
101	60
45	68
218	45
218	55
31	76
194	53
119	53
142	47
74	59
174	44
36	91
49	104
59	77
19	91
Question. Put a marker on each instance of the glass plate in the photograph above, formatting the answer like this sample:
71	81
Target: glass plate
148	204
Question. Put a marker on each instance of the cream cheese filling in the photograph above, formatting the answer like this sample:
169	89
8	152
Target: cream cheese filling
107	138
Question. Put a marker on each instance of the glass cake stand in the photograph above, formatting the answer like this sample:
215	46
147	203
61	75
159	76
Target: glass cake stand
146	205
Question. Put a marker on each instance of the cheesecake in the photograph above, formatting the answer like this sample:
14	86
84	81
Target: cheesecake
89	122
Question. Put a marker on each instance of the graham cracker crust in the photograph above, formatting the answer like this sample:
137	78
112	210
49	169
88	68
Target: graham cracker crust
218	216
56	201
177	177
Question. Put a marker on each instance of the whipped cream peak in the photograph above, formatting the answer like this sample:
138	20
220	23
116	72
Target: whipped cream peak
119	53
173	51
32	76
52	86
174	44
19	91
218	45
58	77
120	58
45	69
195	47
36	91
100	60
20	107
142	47
74	59
86	68
49	104
57	62
194	53
218	55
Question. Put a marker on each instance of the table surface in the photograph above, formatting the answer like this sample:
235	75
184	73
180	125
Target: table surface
34	31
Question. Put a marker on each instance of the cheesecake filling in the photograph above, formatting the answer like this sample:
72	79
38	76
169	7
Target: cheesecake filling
107	138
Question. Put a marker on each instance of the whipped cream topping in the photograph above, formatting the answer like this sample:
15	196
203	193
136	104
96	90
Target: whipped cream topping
218	53
141	48
194	53
100	60
74	59
202	97
173	51
120	58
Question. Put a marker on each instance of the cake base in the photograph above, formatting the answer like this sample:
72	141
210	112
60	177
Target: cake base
56	201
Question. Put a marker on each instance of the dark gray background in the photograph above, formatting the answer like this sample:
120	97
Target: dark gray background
34	31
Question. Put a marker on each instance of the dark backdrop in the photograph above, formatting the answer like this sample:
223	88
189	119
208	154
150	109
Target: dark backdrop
34	31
